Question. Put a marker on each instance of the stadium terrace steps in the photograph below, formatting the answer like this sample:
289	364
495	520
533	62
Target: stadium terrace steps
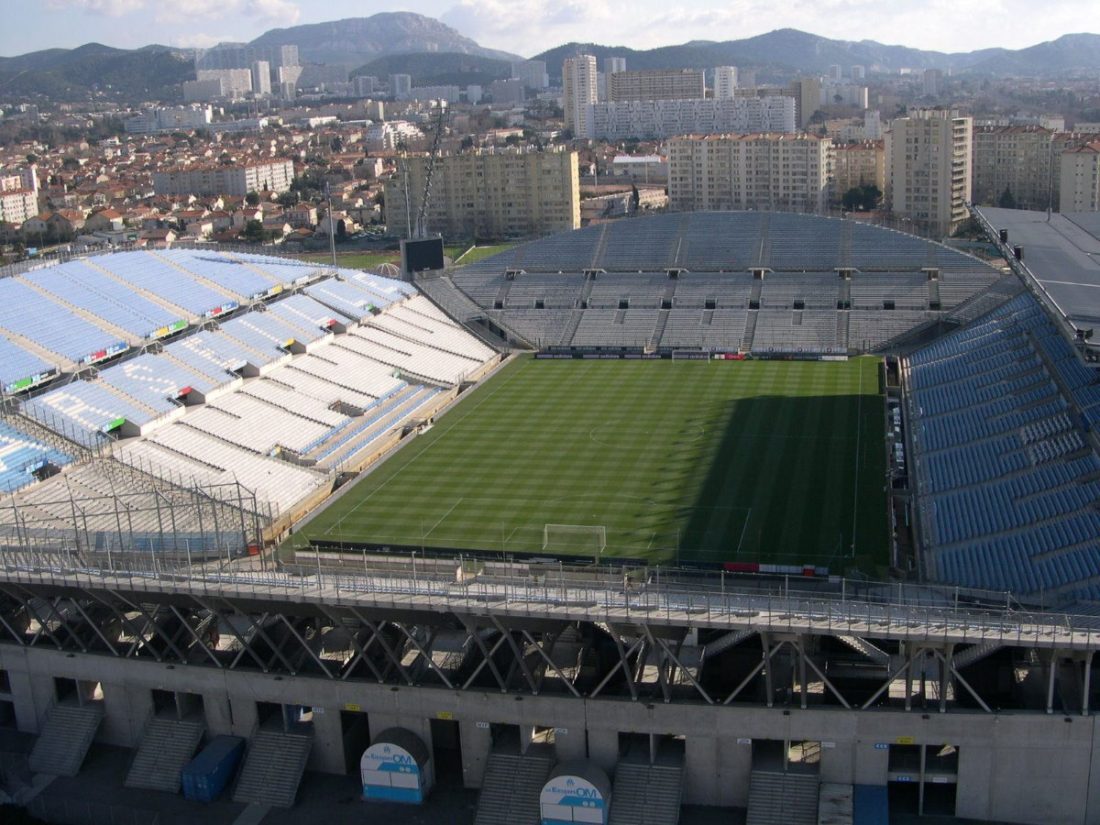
511	786
781	798
405	405
273	768
871	651
167	745
66	736
645	794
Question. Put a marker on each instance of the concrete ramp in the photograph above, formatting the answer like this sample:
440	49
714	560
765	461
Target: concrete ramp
65	739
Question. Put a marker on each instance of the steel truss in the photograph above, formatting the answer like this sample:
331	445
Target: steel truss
644	658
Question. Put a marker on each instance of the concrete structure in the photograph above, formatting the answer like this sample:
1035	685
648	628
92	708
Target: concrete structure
640	168
365	85
844	94
807	97
658	84
725	82
719	732
532	73
274	177
197	91
932	82
666	118
488	194
177	119
509	92
928	156
451	94
614	65
234	82
400	86
261	78
1020	160
858	73
579	92
1080	179
240	56
393	134
858	164
763	171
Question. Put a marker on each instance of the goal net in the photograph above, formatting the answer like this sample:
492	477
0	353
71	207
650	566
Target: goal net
574	538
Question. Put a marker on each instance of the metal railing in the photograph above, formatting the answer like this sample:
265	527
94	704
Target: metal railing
794	605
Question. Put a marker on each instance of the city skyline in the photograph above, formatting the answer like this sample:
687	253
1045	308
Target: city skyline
529	27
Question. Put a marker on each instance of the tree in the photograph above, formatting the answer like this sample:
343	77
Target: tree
252	199
635	198
1006	200
861	198
253	231
32	158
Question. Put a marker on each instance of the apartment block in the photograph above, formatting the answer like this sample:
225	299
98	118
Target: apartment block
928	181
760	171
725	82
580	89
659	84
659	119
488	194
238	180
858	164
1079	170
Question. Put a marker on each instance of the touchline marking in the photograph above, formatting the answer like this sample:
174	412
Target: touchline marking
400	470
859	431
443	517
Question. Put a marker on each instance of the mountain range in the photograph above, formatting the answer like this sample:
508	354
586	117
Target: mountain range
433	52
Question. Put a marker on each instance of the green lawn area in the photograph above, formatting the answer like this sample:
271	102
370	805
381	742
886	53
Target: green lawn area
767	461
478	253
354	260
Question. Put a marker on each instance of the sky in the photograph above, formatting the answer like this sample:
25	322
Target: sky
528	27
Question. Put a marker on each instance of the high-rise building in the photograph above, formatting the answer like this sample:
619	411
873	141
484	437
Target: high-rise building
365	85
807	99
18	195
400	86
179	118
234	82
932	82
836	74
261	78
532	73
659	119
1018	160
488	194
761	171
579	92
659	84
928	157
613	65
510	92
844	94
216	179
725	82
861	163
858	73
1080	179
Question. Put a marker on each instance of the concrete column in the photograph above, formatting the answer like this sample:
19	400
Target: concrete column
219	719
871	764
603	749
127	711
243	709
23	698
837	762
569	743
475	743
327	754
734	772
976	765
701	775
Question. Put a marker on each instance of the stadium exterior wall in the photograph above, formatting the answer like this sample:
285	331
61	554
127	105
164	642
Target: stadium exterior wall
996	751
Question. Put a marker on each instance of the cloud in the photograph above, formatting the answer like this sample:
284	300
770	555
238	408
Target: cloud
198	40
111	8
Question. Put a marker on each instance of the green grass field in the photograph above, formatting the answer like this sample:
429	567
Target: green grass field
767	461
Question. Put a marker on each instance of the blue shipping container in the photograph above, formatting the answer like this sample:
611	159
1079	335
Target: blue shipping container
871	805
206	776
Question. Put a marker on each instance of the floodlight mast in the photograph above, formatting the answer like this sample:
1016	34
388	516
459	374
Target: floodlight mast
421	229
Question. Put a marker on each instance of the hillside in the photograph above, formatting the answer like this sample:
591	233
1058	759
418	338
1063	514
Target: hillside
439	69
359	40
153	72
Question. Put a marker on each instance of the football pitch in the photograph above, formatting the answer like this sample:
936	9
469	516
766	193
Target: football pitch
759	461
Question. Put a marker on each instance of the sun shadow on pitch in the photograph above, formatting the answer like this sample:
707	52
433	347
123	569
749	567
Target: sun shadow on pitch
776	481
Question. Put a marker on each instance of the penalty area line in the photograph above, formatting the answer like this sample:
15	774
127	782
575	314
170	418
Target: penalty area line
443	517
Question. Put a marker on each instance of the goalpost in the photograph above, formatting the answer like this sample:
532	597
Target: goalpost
574	538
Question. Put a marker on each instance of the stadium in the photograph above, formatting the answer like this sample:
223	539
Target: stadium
764	511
